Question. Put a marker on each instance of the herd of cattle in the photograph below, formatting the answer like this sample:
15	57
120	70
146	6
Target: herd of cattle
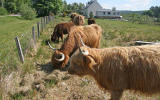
115	69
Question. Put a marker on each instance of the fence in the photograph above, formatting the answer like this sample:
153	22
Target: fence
32	40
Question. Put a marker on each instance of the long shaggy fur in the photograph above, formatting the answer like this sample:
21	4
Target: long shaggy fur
121	68
79	20
91	35
73	15
60	30
63	28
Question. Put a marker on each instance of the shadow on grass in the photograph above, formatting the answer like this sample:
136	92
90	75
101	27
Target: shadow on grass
49	68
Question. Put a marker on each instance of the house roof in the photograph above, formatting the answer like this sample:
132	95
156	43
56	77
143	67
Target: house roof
88	4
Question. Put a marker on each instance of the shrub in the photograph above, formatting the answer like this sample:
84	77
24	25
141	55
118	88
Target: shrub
27	12
64	14
91	14
3	11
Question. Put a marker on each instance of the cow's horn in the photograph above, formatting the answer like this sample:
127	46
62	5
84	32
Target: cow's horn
51	47
84	52
82	41
61	58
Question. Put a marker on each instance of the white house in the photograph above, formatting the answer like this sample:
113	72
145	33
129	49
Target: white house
98	11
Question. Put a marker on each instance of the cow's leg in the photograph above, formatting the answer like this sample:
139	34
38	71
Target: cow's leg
58	39
116	95
62	37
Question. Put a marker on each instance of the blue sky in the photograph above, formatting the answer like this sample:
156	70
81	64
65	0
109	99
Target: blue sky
134	5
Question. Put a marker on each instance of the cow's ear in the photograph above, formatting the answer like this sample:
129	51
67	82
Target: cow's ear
89	62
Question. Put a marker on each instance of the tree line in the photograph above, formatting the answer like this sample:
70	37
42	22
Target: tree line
41	7
153	12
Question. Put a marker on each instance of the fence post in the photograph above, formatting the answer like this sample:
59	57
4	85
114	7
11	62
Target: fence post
38	31
52	18
42	24
20	53
49	18
34	36
46	19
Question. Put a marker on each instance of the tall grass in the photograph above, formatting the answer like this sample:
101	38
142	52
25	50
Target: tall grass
10	27
119	33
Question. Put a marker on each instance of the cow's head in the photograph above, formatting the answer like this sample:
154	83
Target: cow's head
53	37
59	59
91	21
79	20
73	15
83	62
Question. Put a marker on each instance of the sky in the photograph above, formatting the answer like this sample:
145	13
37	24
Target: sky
134	5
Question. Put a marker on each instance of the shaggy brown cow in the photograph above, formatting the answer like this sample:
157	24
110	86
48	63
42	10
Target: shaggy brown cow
78	20
62	28
91	35
91	21
120	68
73	15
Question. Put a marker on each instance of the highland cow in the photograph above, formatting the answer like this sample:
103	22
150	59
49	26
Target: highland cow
78	20
118	69
62	28
91	21
91	35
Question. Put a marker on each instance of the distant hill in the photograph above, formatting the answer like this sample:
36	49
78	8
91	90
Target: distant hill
130	12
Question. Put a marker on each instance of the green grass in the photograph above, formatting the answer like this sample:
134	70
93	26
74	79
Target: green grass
119	33
10	27
115	33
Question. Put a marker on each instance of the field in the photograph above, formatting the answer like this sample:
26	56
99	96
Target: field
36	79
10	27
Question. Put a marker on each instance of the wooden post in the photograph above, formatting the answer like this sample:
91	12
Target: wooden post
42	24
52	18
34	36
46	19
38	31
49	18
20	52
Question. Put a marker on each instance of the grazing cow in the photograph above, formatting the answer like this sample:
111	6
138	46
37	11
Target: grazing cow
78	20
91	21
91	35
62	28
120	68
73	15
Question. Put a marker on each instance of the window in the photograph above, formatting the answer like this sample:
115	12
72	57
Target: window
118	13
104	13
109	13
114	13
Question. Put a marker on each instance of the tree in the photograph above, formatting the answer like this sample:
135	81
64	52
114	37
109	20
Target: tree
2	3
13	6
45	7
91	14
153	12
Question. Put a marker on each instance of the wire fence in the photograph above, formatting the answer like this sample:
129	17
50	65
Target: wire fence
27	41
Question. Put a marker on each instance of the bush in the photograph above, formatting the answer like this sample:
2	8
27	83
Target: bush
91	14
3	11
27	12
